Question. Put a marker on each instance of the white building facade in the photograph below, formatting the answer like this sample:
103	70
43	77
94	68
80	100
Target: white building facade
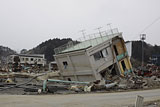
30	59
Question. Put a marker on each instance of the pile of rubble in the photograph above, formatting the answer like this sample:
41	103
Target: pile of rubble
117	83
36	83
148	71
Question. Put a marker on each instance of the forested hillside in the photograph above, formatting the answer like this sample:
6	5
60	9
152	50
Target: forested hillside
4	52
149	50
48	47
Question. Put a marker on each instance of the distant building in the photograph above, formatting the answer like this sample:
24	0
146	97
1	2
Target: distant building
155	59
30	59
53	66
93	58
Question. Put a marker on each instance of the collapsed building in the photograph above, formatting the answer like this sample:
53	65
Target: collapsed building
94	58
53	66
155	59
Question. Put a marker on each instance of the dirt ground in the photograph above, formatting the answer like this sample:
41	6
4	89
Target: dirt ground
155	103
118	99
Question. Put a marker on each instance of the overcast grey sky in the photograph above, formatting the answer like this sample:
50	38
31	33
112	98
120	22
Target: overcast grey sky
27	23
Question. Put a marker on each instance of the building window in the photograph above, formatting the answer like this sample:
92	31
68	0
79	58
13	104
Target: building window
97	56
31	59
104	53
22	59
39	60
35	60
101	54
26	59
65	64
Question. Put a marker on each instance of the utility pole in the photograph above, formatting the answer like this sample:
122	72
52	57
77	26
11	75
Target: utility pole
142	37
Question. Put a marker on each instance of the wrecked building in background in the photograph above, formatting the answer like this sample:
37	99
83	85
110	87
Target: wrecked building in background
94	58
30	59
155	59
53	66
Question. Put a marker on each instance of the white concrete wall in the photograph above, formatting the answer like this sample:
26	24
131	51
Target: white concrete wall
76	62
79	67
60	61
81	62
129	48
82	78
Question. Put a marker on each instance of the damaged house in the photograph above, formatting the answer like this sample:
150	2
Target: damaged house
30	59
94	58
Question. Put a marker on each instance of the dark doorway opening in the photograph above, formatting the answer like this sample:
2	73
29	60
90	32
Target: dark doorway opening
115	49
123	65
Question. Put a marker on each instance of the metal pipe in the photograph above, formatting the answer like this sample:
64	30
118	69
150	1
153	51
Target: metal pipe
61	81
44	85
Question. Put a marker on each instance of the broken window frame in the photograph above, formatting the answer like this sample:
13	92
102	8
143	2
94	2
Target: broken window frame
104	53
31	59
27	59
97	56
100	54
39	60
65	64
22	59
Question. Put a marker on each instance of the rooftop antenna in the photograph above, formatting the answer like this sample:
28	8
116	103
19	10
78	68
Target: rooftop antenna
83	33
99	30
100	33
110	27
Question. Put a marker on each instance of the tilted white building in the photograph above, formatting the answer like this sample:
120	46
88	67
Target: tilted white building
91	59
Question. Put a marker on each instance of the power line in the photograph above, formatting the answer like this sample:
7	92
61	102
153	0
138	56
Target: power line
150	25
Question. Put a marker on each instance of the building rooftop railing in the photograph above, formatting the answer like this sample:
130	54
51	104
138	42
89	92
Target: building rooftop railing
87	40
